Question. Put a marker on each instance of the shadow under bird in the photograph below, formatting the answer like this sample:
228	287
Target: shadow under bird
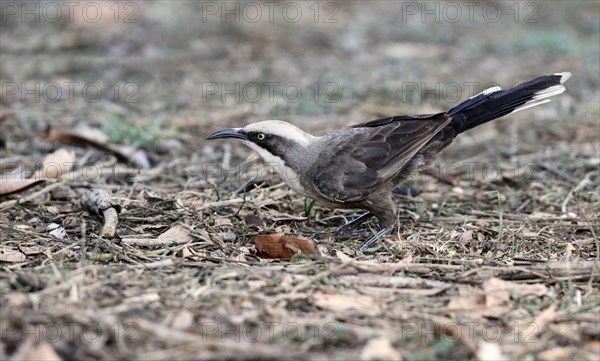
357	167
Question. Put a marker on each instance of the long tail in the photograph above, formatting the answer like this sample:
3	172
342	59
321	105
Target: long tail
494	102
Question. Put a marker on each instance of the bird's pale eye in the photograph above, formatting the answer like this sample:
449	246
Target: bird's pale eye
260	136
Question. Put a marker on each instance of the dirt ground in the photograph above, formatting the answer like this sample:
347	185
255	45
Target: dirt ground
496	257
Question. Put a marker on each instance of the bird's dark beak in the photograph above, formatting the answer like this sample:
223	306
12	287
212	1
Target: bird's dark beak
235	133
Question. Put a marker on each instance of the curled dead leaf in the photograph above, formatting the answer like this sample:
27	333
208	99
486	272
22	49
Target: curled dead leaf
15	185
55	164
87	137
280	246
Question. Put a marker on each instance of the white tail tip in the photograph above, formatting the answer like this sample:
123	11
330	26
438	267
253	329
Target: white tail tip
564	76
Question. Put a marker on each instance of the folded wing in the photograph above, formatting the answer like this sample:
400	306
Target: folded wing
373	153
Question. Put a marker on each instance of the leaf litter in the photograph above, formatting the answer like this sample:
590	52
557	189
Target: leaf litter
181	274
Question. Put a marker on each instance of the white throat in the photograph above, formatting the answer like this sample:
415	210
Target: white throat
287	174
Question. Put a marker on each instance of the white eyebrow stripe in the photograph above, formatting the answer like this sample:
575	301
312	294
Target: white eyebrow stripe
282	129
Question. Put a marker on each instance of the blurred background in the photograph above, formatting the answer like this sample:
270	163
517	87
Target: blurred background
148	72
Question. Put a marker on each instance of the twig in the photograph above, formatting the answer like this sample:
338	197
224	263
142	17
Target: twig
98	201
595	267
155	242
222	203
557	172
584	182
9	204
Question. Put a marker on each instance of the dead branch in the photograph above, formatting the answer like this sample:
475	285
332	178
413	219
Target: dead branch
97	201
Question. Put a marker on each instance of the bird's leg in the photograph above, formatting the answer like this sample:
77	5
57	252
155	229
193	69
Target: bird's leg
375	238
346	229
406	191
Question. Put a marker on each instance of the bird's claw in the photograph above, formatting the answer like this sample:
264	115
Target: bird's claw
376	237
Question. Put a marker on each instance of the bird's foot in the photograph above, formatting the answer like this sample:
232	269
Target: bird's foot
376	237
347	230
352	233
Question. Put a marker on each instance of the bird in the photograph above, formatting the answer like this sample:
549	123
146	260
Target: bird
358	166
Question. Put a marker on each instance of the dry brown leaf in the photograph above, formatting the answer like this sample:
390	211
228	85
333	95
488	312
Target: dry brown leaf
223	222
13	185
466	237
174	235
379	349
343	302
31	251
88	137
280	246
498	291
177	233
12	255
55	164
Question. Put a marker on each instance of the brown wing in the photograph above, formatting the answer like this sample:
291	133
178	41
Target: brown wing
372	153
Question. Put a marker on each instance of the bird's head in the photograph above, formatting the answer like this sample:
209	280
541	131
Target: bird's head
284	146
276	141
